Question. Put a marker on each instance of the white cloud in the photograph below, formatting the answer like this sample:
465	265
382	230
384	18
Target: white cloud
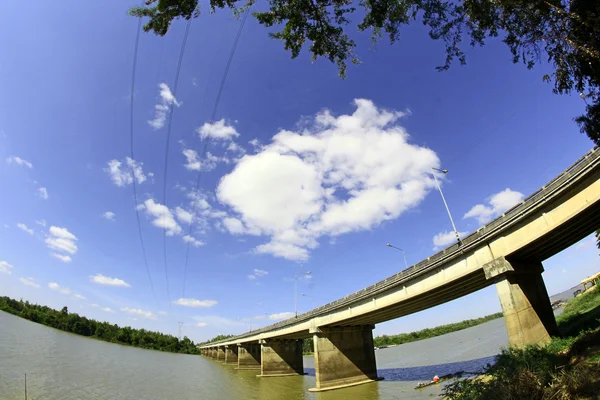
195	303
78	297
281	315
251	277
342	174
200	324
19	161
194	163
218	130
62	257
124	174
105	280
260	272
29	282
24	228
497	204
443	239
184	216
5	267
109	215
166	101
41	222
94	305
109	310
55	286
137	311
163	217
193	241
60	239
43	192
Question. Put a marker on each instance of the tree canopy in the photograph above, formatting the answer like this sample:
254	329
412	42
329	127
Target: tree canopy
564	32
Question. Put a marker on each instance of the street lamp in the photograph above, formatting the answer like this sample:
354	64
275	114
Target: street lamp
403	253
312	300
445	171
296	291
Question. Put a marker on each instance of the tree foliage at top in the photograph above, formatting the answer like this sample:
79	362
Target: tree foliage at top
564	32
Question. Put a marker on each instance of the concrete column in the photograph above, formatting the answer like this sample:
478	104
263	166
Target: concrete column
249	356
525	303
281	358
231	354
213	353
344	356
220	353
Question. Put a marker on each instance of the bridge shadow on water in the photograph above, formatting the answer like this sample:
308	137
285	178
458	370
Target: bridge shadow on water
427	372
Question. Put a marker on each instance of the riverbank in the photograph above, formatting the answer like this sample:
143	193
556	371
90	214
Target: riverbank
74	323
566	368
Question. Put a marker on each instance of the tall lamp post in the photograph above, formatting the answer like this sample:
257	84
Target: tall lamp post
403	253
445	171
296	290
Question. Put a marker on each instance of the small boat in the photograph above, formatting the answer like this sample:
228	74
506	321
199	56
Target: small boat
440	379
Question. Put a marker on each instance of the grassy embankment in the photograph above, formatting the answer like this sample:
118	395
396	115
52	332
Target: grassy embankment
566	368
392	340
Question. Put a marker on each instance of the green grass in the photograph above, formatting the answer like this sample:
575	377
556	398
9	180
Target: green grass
566	368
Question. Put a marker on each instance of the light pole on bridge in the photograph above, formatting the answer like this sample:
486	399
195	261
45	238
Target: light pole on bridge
445	171
403	253
296	290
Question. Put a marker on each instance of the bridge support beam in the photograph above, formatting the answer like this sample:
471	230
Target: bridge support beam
525	303
249	356
281	358
344	356
220	353
231	355
213	353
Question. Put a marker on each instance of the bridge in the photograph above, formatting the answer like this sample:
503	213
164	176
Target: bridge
507	252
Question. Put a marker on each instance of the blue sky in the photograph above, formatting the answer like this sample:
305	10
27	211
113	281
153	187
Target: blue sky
307	172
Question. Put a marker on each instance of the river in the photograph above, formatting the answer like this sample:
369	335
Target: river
63	366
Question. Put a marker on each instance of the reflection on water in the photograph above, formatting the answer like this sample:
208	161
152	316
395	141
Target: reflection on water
61	366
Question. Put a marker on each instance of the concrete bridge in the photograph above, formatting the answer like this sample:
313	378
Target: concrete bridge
508	252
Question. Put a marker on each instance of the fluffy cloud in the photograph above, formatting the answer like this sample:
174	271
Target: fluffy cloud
109	215
105	280
5	267
108	310
43	193
163	217
200	324
29	282
258	273
137	311
443	239
194	163
342	174
61	240
62	257
166	101
497	204
218	130
184	216
78	297
282	315
124	174
19	161
193	241
41	222
55	286
195	303
24	228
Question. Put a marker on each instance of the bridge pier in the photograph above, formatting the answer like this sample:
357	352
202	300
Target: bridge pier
249	356
221	353
231	355
344	356
213	353
525	303
281	357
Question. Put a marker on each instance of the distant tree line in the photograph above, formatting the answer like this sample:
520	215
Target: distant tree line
216	339
74	323
386	340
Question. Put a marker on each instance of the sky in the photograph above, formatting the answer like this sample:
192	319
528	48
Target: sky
304	172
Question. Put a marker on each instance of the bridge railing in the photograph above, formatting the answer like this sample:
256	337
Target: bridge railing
429	263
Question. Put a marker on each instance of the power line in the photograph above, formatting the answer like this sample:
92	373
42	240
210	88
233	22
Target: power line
165	172
212	118
131	145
